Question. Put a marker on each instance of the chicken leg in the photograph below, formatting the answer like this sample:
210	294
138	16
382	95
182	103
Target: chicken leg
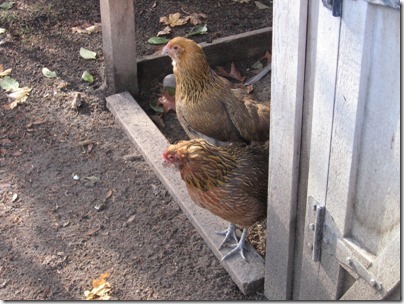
230	233
239	247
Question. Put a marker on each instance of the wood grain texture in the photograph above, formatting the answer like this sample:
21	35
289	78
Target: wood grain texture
288	55
119	48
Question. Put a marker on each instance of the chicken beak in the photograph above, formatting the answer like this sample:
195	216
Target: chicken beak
165	50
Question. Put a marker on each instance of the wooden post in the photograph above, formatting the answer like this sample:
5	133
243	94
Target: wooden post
118	38
287	83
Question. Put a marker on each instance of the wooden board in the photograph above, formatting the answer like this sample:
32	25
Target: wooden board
285	132
219	51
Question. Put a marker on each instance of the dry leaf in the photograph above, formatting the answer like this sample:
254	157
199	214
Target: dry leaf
17	153
108	194
4	72
167	102
249	88
87	28
174	20
19	95
234	73
36	122
90	148
195	18
130	219
167	30
158	121
267	56
92	231
101	289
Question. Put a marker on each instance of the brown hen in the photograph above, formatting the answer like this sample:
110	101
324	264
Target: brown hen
230	181
207	105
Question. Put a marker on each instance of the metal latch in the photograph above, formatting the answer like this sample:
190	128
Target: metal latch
335	6
318	231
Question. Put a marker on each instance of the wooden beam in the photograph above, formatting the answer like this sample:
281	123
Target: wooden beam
287	83
119	47
222	50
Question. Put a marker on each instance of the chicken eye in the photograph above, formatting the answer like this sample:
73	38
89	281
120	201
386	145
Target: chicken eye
175	47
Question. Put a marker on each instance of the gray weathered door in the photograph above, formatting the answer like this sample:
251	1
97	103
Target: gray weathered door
354	167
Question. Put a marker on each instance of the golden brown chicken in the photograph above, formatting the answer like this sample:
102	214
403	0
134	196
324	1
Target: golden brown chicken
230	181
207	105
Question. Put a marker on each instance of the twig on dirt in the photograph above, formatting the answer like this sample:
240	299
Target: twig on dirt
185	12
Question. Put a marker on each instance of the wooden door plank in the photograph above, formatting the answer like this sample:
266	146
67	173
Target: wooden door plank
288	62
353	69
325	56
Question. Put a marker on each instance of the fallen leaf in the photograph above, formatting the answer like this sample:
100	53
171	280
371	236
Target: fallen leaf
90	148
174	20
87	54
48	73
249	88
167	102
9	84
267	56
2	30
157	40
154	4
101	289
93	28
234	73
167	30
14	198
92	231
17	153
4	72
7	5
130	219
257	65
158	121
261	5
86	28
18	96
86	76
36	122
197	30
195	18
108	194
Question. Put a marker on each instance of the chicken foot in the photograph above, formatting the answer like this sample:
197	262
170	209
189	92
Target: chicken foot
230	233
239	247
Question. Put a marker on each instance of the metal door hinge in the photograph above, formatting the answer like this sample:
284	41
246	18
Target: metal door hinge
335	6
318	227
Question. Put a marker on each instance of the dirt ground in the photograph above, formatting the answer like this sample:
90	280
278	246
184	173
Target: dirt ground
76	199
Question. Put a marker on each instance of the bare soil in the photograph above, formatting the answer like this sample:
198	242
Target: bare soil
58	233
